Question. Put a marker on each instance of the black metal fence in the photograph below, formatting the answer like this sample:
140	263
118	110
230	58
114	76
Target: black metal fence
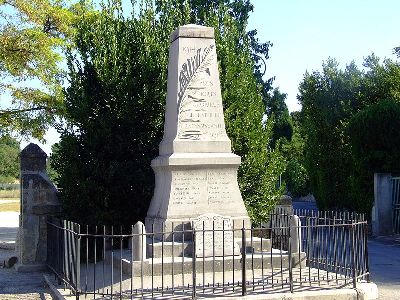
310	250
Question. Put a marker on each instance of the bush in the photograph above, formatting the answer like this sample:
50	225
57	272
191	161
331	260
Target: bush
375	146
296	178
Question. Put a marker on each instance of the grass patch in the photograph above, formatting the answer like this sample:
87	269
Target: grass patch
9	194
10	206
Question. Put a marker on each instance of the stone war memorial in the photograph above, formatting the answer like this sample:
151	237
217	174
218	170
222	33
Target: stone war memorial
196	171
197	210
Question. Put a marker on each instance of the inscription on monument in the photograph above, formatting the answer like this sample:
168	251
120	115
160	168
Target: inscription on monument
186	190
199	115
197	186
219	184
214	243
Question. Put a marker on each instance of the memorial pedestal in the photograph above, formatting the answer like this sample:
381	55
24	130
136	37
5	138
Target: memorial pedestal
193	184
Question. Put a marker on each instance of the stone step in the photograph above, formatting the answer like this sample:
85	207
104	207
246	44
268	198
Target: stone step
169	249
168	266
159	249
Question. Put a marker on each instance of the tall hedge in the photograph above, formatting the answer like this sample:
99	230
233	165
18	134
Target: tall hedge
337	110
115	107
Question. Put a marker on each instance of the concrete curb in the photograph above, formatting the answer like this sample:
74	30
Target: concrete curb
55	294
364	291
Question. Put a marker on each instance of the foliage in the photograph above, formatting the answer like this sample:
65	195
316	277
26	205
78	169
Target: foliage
296	178
287	138
329	100
9	159
295	175
114	111
374	136
375	145
396	51
33	34
115	105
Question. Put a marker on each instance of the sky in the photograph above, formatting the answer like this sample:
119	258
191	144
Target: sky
305	33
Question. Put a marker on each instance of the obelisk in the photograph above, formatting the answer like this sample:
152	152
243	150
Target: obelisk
196	171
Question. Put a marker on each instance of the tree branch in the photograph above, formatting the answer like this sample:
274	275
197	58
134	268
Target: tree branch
4	112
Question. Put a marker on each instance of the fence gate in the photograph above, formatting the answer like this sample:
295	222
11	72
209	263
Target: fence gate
396	204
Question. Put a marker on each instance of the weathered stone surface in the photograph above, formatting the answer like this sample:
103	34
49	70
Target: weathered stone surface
383	207
33	158
196	172
38	201
138	242
295	234
192	31
214	236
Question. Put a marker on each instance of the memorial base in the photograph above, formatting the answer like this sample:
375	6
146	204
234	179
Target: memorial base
192	184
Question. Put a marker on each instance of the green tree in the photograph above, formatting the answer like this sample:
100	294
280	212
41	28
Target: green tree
115	105
9	159
33	35
277	109
375	147
296	176
329	101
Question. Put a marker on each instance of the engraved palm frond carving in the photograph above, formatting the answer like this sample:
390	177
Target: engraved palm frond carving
190	73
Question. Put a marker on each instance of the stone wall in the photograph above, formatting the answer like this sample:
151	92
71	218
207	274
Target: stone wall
38	201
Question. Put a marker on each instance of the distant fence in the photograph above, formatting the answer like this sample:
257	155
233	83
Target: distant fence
326	249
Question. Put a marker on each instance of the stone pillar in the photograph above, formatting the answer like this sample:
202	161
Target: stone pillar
298	257
383	209
138	243
295	234
196	171
38	201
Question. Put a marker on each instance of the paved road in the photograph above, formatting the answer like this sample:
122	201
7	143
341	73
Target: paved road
384	261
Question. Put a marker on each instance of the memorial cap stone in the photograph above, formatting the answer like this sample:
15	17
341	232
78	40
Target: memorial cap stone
192	31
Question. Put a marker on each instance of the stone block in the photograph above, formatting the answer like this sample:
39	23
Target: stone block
214	236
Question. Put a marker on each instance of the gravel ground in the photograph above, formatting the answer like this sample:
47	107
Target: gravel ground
14	285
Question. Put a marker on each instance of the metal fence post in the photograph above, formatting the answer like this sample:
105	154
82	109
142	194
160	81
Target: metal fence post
243	261
290	255
193	263
78	262
353	255
366	258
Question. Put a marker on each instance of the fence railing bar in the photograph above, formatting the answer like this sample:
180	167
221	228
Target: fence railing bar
78	264
121	240
243	260
193	263
290	259
152	260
